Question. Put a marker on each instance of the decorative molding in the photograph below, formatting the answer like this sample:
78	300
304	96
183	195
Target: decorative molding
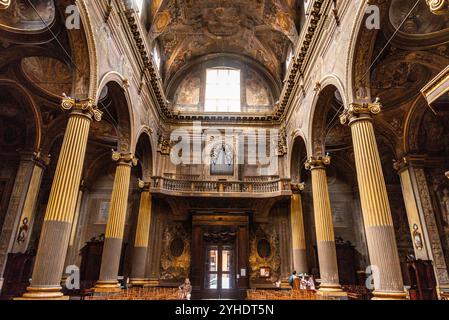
281	149
299	59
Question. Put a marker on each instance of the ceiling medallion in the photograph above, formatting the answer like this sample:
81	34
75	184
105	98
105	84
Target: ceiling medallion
4	4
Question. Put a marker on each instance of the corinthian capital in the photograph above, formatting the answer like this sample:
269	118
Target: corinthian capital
355	110
4	4
84	105
124	158
438	7
317	162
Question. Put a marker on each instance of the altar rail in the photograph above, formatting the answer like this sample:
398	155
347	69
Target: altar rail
195	187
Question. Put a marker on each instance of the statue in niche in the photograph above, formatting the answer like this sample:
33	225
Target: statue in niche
417	237
23	231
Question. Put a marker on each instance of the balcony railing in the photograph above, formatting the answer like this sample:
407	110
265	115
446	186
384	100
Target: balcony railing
195	187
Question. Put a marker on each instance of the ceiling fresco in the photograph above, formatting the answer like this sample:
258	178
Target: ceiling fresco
262	30
23	16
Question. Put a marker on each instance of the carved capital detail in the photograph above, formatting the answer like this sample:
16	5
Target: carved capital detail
438	7
124	158
84	105
41	159
144	185
356	110
297	187
317	162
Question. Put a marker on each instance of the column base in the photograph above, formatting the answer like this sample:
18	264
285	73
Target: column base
383	295
139	282
107	286
331	292
43	293
152	283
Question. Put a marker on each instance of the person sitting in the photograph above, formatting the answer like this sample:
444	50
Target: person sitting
186	289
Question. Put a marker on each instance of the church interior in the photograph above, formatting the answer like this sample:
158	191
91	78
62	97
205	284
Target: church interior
203	149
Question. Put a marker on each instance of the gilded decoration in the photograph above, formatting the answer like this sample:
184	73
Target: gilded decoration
187	29
438	7
264	252
175	258
4	4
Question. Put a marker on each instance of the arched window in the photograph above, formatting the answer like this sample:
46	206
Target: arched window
222	90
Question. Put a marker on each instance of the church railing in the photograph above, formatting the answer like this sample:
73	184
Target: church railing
195	186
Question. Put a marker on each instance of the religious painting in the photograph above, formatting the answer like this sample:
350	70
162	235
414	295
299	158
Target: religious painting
256	92
189	92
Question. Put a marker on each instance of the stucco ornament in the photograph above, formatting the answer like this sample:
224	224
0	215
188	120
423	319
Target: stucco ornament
438	7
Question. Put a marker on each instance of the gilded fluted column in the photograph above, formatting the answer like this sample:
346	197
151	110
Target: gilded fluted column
324	227
58	218
297	225
142	236
376	211
115	226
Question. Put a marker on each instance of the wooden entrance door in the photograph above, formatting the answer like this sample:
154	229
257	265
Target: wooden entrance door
219	270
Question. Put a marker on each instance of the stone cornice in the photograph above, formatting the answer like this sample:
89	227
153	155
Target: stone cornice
298	62
437	87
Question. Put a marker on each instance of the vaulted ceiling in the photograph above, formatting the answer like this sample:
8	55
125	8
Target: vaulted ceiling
262	30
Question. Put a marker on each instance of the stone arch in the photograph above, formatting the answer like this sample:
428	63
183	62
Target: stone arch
297	158
328	88
83	45
144	152
34	137
361	47
114	99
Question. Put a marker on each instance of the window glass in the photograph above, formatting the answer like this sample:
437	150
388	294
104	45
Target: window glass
222	90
